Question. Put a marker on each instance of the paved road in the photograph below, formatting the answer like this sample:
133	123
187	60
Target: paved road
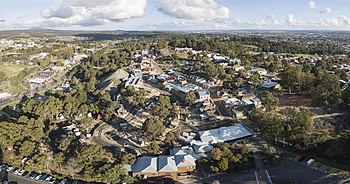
261	174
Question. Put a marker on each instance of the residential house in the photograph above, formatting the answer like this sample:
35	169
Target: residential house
238	68
203	95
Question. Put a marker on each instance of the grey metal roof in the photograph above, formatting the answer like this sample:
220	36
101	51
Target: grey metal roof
166	164
145	164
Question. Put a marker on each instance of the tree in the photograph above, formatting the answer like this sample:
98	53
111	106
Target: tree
328	92
223	164
216	153
152	128
269	101
114	174
255	79
300	122
244	149
190	98
153	148
128	159
270	124
307	82
27	148
162	108
291	78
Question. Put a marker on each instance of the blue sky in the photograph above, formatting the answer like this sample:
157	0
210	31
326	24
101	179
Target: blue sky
175	14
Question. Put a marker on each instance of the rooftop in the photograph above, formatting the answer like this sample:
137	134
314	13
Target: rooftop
224	134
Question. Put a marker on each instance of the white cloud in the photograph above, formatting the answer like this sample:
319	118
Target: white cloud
326	10
194	9
312	4
291	21
345	20
92	12
2	20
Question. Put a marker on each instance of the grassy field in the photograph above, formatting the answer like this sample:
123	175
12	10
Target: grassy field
306	55
12	69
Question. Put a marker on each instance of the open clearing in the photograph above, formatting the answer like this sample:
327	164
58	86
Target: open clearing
12	69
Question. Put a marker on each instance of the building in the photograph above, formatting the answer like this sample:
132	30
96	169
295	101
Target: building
180	161
268	84
203	95
224	134
37	81
4	95
146	166
260	71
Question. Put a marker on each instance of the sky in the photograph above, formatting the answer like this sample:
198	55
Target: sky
175	14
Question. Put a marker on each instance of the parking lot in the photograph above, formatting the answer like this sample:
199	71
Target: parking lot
299	169
20	176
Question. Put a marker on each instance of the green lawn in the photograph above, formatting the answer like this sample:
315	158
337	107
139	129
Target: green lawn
12	69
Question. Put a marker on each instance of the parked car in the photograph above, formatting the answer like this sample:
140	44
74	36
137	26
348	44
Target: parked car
16	171
25	173
64	181
43	177
53	180
32	175
9	168
38	177
3	167
48	178
309	162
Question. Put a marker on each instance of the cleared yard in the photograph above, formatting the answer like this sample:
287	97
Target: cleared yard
13	69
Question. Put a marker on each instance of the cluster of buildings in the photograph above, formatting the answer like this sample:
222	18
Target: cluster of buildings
182	160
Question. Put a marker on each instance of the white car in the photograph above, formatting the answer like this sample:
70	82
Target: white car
17	171
309	162
9	169
38	177
21	172
48	178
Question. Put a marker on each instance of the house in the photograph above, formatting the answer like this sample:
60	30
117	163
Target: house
238	112
5	95
242	91
260	71
201	147
238	68
203	95
37	81
146	166
163	165
185	163
167	166
268	84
